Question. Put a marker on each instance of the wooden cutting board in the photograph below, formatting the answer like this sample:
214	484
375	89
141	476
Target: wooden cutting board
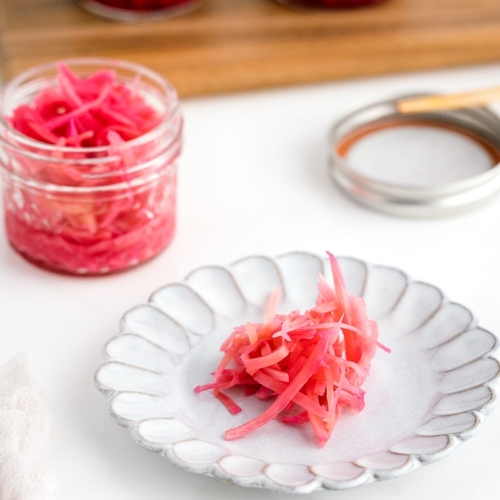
231	45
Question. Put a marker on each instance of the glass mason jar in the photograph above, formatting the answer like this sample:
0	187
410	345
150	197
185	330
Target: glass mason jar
329	4
139	10
90	210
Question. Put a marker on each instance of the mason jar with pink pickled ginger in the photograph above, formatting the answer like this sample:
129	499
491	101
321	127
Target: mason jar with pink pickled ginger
88	157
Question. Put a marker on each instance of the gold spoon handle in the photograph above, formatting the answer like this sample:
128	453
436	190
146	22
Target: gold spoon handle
452	101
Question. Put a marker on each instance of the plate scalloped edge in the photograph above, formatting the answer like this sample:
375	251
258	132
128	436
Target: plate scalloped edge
184	311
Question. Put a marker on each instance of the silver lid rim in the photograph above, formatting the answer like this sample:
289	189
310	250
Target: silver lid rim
446	199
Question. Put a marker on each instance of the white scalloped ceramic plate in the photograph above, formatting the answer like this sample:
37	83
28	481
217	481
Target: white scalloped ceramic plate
425	398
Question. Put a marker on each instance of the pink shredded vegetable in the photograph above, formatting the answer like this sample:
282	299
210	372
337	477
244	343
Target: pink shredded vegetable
85	112
113	223
312	364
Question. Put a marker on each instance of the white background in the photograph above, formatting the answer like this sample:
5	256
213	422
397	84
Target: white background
252	180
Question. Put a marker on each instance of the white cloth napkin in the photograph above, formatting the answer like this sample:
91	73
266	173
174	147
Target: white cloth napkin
24	427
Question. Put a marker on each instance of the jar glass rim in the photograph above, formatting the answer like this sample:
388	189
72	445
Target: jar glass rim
17	82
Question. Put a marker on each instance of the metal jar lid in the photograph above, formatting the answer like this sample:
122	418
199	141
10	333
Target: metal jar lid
479	124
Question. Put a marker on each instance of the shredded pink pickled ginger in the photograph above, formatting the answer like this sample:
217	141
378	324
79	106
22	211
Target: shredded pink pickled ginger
82	112
93	230
312	364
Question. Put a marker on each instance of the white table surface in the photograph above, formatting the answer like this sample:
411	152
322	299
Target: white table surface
253	180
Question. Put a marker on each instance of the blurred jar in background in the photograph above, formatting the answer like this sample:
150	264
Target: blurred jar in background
329	4
139	10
